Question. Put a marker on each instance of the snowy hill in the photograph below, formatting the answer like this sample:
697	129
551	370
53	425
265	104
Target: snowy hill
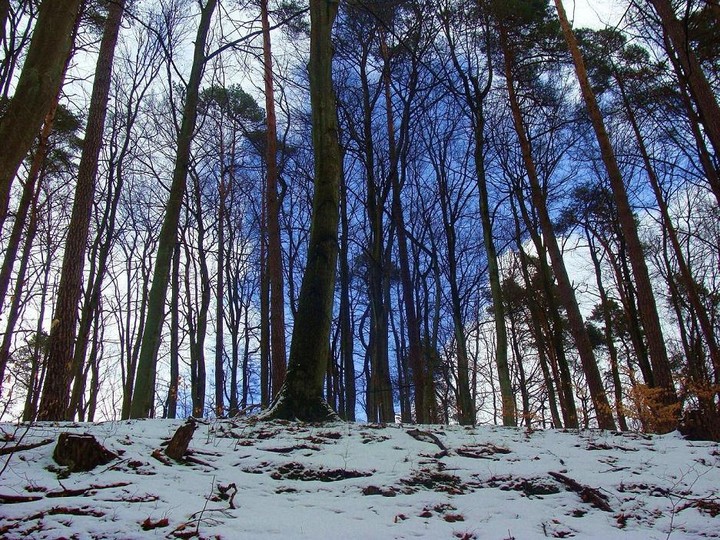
245	479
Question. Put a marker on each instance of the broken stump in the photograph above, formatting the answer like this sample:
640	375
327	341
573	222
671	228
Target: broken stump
81	452
178	445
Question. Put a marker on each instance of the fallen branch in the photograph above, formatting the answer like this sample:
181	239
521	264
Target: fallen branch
20	447
14	499
426	436
587	494
83	491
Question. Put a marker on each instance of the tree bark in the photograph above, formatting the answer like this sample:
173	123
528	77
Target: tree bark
665	403
301	397
39	83
54	402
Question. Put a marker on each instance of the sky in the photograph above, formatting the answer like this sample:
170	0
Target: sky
594	13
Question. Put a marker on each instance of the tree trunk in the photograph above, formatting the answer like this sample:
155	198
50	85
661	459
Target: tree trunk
39	83
534	323
347	339
142	400
609	334
274	266
301	397
687	278
567	294
475	96
172	399
665	402
700	89
54	402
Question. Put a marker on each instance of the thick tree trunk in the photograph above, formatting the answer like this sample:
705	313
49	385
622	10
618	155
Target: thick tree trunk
54	402
301	397
39	83
665	400
142	400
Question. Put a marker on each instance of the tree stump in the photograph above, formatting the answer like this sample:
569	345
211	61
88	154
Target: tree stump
178	445
81	452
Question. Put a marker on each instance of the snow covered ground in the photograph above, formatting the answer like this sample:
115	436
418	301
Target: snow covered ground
248	479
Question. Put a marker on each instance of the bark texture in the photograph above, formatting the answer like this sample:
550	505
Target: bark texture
39	83
301	397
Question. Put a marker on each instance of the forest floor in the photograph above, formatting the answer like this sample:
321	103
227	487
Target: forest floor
245	479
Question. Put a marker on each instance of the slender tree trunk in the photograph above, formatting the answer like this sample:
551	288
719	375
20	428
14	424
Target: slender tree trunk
688	281
347	339
29	195
665	402
275	269
535	316
609	334
465	404
175	333
220	307
37	369
39	83
265	371
549	319
142	400
301	395
712	174
414	353
13	314
567	294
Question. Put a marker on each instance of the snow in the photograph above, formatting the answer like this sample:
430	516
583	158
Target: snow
379	482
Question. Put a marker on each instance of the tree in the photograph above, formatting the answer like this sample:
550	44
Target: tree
301	396
39	83
272	216
567	295
700	89
142	399
666	401
54	403
474	92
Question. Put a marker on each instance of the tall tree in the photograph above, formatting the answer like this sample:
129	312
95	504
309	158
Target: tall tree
272	215
700	89
301	396
54	403
474	92
142	399
567	295
665	401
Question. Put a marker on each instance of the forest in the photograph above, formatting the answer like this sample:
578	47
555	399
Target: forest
416	211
